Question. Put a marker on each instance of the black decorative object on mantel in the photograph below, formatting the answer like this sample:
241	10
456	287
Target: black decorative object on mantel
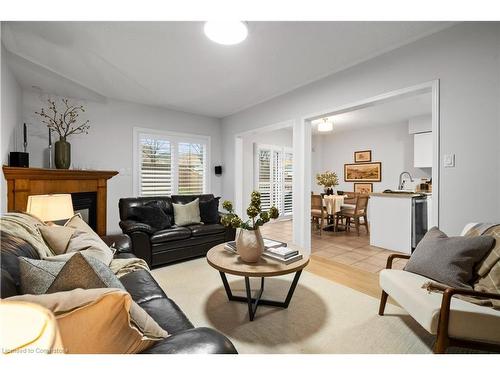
63	122
21	159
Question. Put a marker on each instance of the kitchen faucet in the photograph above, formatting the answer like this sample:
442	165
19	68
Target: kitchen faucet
401	181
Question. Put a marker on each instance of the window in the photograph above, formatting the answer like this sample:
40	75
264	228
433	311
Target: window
274	172
167	163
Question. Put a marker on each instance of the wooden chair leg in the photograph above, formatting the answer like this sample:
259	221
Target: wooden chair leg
356	222
366	225
383	302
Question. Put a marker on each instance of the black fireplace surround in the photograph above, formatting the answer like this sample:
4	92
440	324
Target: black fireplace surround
86	205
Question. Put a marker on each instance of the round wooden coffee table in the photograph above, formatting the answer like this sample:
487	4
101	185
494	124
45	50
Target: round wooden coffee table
227	262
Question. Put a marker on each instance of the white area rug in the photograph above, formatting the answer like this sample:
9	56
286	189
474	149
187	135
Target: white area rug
323	317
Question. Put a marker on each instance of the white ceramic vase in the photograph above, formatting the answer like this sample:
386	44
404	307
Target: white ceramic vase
250	245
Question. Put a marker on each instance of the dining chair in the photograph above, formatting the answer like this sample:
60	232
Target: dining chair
353	215
318	211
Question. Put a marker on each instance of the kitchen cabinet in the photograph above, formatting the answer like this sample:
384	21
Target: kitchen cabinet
422	150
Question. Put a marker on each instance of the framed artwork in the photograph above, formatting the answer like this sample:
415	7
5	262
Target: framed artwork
364	172
363	187
362	156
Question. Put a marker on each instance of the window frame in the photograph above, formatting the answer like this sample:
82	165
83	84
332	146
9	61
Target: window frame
174	138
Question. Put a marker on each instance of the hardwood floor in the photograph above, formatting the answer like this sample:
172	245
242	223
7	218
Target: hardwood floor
342	257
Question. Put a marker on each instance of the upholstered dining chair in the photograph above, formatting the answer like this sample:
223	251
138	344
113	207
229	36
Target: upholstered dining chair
353	215
318	211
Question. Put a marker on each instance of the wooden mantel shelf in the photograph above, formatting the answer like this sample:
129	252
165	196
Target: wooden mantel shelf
23	182
55	174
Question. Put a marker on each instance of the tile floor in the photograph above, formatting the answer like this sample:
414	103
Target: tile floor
342	247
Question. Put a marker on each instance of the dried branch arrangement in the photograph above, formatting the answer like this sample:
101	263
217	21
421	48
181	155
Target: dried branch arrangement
64	122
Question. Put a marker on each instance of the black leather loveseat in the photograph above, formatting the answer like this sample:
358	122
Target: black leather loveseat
183	339
164	246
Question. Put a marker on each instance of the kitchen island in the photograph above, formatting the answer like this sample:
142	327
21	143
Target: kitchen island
398	220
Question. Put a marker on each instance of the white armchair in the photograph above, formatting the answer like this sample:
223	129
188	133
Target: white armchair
455	322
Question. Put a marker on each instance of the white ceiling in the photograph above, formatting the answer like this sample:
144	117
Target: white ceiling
394	112
173	65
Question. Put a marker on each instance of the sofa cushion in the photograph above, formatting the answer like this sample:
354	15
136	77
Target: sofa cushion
80	271
209	211
171	234
99	321
449	260
153	216
198	230
467	320
189	213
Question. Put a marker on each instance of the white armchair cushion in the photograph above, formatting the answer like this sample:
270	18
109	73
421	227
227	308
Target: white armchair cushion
467	320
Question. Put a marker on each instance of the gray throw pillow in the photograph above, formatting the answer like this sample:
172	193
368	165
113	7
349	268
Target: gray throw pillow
449	260
186	214
80	271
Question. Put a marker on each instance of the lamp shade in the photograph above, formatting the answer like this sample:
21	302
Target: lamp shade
50	207
28	328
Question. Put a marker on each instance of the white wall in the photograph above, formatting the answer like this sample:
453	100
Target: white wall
282	138
465	58
11	98
109	144
391	145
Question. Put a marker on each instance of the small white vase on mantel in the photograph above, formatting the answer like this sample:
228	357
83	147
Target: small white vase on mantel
250	245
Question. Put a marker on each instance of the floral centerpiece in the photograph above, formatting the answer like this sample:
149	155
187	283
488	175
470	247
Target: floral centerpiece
63	122
328	180
249	243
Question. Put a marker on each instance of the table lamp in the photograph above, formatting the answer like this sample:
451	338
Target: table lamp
50	207
28	328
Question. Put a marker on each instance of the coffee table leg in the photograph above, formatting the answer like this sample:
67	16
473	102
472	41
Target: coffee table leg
253	303
226	285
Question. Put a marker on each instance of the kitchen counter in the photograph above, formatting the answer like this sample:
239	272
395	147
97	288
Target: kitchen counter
399	195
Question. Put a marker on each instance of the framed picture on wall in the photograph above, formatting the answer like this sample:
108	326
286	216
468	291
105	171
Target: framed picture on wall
362	156
364	172
363	187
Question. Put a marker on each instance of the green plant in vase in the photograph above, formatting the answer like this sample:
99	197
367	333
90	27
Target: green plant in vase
249	243
328	180
63	122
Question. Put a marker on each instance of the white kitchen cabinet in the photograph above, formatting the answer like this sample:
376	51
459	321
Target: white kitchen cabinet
422	150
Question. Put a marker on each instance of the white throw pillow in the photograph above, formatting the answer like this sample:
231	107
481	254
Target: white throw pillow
185	214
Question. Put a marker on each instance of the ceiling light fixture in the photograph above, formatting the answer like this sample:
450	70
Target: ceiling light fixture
325	125
226	32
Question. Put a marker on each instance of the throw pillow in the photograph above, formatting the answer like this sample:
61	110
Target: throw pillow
153	216
64	241
209	211
80	271
448	260
186	214
99	321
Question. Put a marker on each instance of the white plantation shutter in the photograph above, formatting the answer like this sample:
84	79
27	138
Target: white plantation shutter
287	182
191	168
155	166
274	169
264	183
170	164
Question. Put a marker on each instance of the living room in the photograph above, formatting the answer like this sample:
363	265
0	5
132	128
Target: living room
163	170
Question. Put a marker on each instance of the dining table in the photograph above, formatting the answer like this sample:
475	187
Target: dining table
333	204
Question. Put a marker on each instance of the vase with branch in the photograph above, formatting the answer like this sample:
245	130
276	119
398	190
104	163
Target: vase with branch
64	121
328	180
249	243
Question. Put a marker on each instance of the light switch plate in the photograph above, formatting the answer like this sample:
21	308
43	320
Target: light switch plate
449	160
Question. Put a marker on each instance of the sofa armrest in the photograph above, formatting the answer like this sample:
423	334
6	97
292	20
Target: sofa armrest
130	226
391	258
121	242
199	340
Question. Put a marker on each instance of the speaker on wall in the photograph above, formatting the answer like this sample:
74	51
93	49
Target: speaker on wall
19	159
218	170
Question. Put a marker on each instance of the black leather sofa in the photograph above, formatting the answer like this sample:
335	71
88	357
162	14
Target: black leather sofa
183	339
173	244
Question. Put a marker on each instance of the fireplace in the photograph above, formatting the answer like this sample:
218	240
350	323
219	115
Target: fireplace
86	205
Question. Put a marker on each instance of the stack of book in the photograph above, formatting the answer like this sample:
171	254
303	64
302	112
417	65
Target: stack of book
275	250
282	254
